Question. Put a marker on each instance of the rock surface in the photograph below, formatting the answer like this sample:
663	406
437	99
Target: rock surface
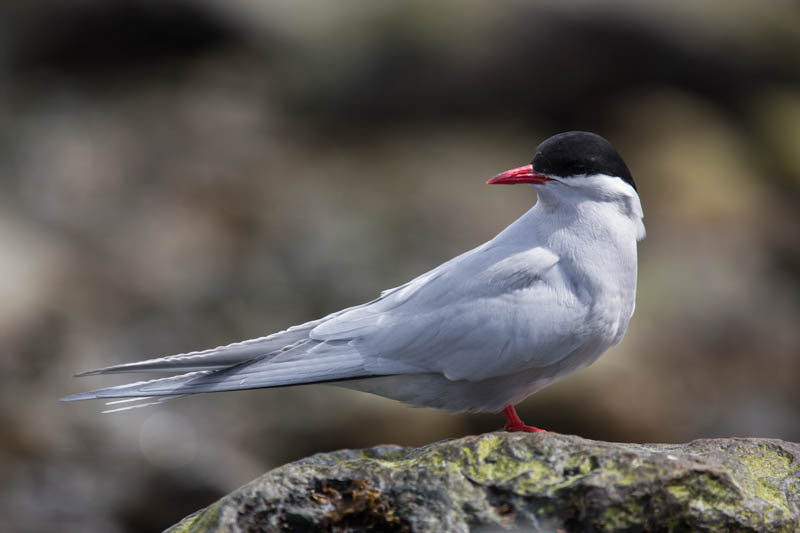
530	482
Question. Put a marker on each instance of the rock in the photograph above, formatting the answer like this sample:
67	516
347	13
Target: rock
530	482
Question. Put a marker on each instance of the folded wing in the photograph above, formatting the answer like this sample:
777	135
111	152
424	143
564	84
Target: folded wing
489	312
493	313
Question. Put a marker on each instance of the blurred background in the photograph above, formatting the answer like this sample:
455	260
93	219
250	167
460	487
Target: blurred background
180	175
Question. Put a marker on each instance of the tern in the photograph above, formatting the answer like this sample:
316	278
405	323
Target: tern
479	333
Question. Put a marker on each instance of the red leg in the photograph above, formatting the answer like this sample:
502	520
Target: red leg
515	423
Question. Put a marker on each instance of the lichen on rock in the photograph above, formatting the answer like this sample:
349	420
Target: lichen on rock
532	482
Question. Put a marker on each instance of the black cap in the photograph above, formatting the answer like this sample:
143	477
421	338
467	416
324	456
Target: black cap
580	153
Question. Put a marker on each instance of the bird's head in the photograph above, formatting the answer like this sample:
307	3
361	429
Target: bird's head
576	166
574	159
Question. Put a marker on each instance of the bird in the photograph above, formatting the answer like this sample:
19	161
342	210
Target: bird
481	332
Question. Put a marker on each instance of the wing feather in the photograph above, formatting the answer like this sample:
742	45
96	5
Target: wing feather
493	312
308	363
221	356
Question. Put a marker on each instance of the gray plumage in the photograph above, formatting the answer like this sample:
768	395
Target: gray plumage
484	330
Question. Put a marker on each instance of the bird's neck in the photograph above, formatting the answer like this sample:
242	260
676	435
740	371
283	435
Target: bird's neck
596	236
610	218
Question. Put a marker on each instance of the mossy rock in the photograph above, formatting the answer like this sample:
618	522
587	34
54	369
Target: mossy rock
530	482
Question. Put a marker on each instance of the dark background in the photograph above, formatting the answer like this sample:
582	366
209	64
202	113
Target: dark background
179	175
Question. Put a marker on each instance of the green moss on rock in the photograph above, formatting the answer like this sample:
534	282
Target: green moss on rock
530	481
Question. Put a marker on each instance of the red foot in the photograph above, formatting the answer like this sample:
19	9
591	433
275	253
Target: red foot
515	423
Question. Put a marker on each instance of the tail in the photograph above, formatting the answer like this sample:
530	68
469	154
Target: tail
216	358
258	363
